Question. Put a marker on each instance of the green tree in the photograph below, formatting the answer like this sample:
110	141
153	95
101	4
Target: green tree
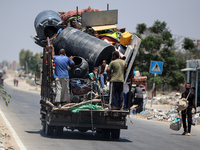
188	44
158	46
28	61
4	95
158	27
25	59
141	28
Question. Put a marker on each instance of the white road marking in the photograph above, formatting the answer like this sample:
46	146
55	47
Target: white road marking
14	134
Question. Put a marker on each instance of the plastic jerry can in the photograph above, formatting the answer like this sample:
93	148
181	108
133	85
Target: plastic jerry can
125	38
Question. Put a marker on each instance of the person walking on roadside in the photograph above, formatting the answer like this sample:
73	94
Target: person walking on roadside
61	76
188	111
138	98
116	78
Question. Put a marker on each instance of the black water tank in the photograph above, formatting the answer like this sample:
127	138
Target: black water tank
47	24
80	69
78	43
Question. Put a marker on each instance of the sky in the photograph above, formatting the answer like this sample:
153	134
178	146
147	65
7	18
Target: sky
17	18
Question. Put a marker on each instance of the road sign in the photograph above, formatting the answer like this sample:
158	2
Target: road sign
156	67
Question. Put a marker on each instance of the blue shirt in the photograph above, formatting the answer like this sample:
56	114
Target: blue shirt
60	30
61	64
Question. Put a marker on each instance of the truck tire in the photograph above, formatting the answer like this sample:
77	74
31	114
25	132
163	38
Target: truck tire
58	130
99	131
43	126
49	129
106	133
82	130
115	133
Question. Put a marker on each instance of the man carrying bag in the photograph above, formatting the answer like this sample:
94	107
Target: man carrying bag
188	110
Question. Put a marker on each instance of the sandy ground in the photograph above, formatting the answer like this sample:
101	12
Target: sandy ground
6	137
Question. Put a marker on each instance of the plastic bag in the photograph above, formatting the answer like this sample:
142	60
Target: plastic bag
176	124
195	119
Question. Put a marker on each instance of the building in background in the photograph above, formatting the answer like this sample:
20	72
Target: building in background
193	77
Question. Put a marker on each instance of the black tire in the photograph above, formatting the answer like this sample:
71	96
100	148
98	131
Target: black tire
115	133
106	133
99	131
82	130
49	129
43	126
58	130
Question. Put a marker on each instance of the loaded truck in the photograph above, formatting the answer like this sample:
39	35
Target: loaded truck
88	109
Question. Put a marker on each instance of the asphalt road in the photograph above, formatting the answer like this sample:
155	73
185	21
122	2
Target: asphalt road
23	115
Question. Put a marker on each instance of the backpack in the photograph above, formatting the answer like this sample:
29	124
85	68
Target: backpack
183	103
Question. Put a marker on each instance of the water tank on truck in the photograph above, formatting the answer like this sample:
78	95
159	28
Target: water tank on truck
78	43
47	24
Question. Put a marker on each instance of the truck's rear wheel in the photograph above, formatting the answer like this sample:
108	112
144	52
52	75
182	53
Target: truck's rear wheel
115	133
106	133
83	130
98	131
49	130
43	126
59	130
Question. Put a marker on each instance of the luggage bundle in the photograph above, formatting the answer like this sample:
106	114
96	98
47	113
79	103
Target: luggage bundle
176	123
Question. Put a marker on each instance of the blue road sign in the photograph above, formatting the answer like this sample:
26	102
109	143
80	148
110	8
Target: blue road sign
156	67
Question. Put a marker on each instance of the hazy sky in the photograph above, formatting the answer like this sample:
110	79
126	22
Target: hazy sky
17	18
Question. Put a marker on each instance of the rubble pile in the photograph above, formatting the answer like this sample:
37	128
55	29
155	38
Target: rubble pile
164	108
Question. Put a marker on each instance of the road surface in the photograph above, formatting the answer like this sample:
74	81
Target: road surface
23	114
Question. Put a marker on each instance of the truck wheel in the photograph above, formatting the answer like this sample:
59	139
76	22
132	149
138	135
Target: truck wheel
106	133
82	130
59	131
115	133
98	131
43	126
49	129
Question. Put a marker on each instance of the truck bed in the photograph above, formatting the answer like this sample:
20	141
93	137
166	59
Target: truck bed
114	119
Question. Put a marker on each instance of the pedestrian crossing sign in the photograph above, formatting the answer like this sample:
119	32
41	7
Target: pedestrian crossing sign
156	67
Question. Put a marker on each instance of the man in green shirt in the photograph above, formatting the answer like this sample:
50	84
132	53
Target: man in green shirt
116	78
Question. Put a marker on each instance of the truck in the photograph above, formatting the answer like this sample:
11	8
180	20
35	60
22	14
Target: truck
88	109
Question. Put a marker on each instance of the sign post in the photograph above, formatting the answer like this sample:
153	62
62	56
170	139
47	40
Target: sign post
156	68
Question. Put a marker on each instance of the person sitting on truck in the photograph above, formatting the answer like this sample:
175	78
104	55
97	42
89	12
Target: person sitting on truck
94	76
64	25
116	78
103	68
61	76
73	23
96	34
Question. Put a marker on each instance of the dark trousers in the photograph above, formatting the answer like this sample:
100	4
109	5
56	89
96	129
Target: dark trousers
116	87
188	113
139	102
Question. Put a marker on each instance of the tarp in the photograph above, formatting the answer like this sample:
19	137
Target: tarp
87	106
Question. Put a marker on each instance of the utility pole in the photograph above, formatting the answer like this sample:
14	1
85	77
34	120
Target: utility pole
26	67
196	89
154	80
